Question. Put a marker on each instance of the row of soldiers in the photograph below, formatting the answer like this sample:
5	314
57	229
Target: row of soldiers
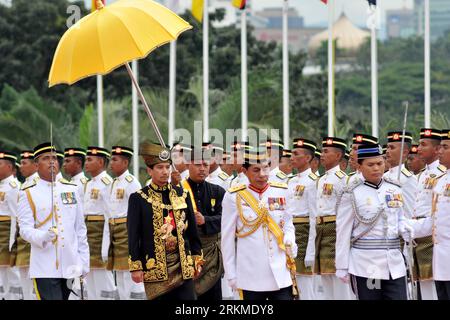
214	225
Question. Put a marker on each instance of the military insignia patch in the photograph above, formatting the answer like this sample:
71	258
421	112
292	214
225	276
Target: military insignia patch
84	180
120	193
299	190
129	178
106	180
13	184
276	203
327	189
68	198
94	194
213	202
223	176
340	174
281	175
430	182
2	196
394	200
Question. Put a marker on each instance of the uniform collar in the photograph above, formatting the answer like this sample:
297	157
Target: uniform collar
158	188
259	191
100	175
275	170
372	185
216	172
432	165
123	175
333	170
304	173
395	169
8	179
195	184
78	176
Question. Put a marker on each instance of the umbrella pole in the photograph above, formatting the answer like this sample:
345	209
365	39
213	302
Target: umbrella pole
146	107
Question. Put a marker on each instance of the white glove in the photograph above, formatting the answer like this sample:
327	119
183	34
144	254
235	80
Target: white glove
232	284
309	262
407	233
289	249
343	275
50	235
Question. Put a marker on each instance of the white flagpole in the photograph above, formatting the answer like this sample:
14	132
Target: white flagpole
101	139
427	64
330	69
205	71
244	88
135	122
286	137
172	88
374	69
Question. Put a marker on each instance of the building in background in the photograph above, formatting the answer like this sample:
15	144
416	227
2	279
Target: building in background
400	23
439	17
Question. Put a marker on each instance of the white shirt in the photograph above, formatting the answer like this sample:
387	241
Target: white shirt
302	203
184	175
9	190
30	179
408	183
122	187
276	175
71	249
369	199
438	225
427	181
329	187
220	178
241	178
256	261
80	180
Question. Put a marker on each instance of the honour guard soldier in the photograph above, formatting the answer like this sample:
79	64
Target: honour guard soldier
123	186
74	159
428	149
28	170
216	174
438	223
99	282
237	159
358	140
260	262
275	151
302	199
163	243
225	164
369	222
9	190
387	166
315	163
180	155
329	188
344	162
407	181
206	199
50	214
60	157
415	164
285	163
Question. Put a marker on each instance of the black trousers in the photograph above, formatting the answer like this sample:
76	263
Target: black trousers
376	289
52	288
184	292
443	290
213	294
282	294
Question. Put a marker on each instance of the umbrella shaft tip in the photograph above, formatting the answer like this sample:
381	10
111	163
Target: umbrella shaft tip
99	4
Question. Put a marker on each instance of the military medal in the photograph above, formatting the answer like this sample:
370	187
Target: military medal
2	196
299	190
120	193
94	194
327	189
430	183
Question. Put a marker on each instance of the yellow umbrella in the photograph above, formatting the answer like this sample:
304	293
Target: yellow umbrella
113	36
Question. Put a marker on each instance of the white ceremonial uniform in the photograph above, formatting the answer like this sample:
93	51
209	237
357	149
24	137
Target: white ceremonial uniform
276	175
329	188
9	278
80	180
302	199
30	179
408	183
241	178
370	219
122	187
422	208
68	257
220	178
184	175
255	261
438	225
100	282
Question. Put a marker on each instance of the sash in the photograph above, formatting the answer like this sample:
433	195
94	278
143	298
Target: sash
187	186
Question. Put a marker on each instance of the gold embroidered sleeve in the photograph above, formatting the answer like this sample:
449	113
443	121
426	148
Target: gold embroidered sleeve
134	265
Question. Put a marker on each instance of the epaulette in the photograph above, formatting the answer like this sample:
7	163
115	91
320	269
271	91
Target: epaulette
442	168
13	184
406	172
281	175
106	180
84	180
239	187
353	185
278	185
389	180
129	178
313	176
64	181
223	176
340	174
28	186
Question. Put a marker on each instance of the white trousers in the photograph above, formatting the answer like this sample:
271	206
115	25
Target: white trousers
335	289
128	289
27	284
227	292
100	285
428	290
10	288
306	287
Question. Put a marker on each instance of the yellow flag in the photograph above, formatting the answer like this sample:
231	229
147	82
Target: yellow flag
240	4
197	10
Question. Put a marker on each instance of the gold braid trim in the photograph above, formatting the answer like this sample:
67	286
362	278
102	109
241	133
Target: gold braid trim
134	265
199	261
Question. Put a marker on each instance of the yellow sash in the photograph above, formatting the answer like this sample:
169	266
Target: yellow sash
187	186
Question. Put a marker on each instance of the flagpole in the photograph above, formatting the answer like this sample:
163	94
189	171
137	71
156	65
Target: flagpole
101	139
427	64
330	69
172	88
244	87
286	137
205	71
374	69
134	117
